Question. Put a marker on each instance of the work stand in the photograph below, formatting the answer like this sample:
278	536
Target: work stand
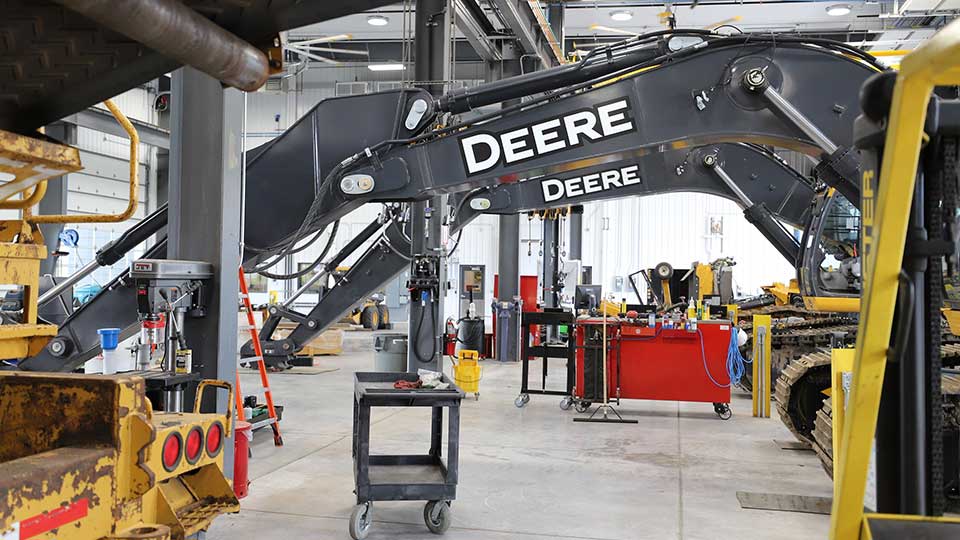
594	347
605	409
566	351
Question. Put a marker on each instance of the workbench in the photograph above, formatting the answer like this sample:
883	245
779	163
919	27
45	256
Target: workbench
653	363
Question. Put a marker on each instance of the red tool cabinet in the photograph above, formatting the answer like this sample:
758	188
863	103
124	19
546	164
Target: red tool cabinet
660	364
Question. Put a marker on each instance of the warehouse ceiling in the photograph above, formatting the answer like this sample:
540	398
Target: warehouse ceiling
878	25
55	62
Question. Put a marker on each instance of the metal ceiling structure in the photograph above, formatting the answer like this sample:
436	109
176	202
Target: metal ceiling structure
55	62
485	24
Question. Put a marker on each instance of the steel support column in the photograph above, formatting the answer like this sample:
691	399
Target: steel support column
204	216
508	246
431	70
575	249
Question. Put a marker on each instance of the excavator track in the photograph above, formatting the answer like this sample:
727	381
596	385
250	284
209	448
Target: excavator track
798	392
792	339
821	436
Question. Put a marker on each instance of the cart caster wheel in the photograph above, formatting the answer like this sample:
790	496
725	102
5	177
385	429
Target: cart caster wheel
583	406
360	521
566	403
722	410
521	400
437	516
476	396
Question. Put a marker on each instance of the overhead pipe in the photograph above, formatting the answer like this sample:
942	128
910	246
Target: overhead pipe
173	29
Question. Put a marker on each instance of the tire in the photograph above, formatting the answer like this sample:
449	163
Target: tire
437	516
521	400
583	406
370	318
384	312
566	403
360	520
723	410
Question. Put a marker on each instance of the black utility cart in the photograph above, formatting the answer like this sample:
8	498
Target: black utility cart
404	477
563	351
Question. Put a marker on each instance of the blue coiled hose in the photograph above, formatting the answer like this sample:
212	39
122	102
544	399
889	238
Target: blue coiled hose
735	361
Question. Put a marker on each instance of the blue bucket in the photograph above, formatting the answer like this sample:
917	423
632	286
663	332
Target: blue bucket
109	338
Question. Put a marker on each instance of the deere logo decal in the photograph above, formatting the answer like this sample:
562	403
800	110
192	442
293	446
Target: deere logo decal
484	151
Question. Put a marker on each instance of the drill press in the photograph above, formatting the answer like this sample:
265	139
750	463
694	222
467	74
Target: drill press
167	292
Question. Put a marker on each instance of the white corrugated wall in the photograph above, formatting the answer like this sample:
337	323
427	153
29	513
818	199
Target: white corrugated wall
623	236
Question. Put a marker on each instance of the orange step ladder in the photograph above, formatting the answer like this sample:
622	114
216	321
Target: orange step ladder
272	419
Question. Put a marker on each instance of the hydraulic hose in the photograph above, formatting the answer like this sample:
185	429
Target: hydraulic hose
591	66
316	262
433	340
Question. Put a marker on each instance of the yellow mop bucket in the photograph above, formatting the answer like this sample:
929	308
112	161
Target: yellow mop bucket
467	372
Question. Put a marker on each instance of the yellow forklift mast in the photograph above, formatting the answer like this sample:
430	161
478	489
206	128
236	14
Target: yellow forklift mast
902	230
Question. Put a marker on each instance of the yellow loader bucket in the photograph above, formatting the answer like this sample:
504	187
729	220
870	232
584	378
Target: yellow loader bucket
467	372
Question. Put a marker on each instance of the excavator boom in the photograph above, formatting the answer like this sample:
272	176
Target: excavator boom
610	118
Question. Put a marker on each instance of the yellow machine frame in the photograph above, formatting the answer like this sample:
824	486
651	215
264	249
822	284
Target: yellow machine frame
704	273
91	467
32	162
88	463
885	214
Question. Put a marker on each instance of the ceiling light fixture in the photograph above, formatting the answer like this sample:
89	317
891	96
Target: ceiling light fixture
393	66
839	10
377	20
621	15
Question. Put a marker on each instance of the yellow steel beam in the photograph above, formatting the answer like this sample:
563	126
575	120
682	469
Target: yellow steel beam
885	215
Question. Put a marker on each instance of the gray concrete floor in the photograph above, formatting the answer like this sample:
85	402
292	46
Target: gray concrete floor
528	473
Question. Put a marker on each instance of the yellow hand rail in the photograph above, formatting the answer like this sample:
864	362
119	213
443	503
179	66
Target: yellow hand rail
131	203
38	192
934	63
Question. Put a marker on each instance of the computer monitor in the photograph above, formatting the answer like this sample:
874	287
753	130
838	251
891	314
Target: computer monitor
587	296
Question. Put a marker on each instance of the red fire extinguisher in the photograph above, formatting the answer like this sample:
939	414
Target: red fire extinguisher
451	333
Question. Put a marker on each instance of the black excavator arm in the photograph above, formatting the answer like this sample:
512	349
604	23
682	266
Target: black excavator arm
765	187
605	115
763	180
617	106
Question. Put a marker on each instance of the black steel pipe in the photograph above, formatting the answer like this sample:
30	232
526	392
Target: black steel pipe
173	29
132	237
540	81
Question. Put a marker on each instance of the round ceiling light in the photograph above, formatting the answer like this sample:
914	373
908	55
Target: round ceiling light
377	20
621	15
839	10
